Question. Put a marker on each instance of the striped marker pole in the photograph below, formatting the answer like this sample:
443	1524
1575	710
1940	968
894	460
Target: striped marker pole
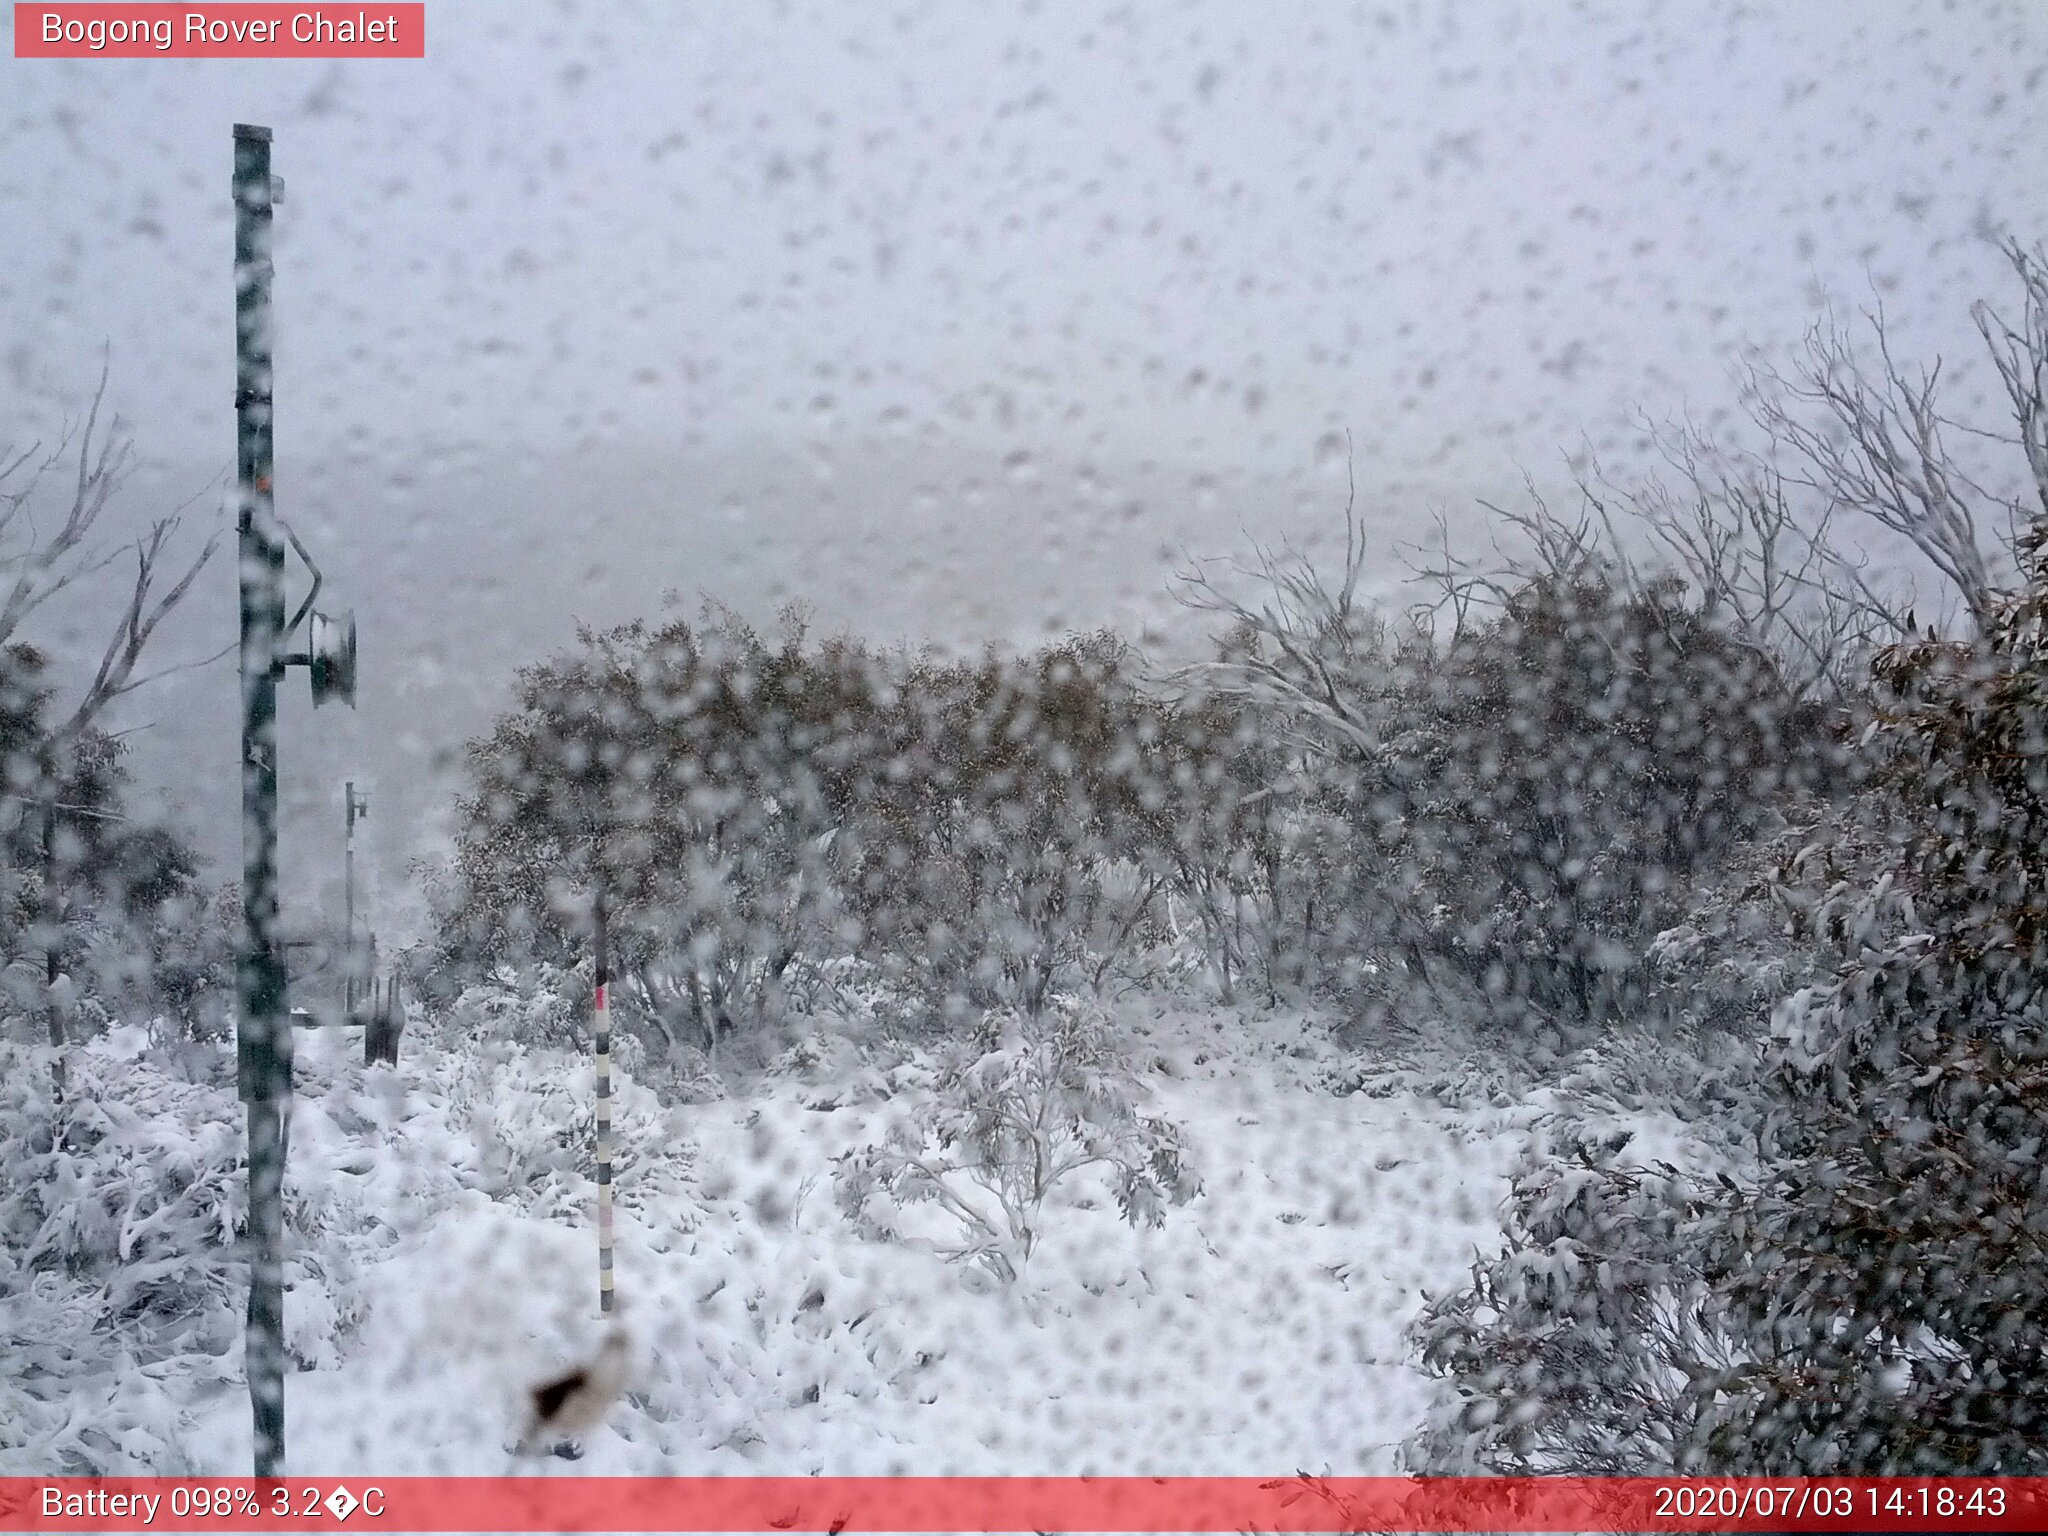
602	1029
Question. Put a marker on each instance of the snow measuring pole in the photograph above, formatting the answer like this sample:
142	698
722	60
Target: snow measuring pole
263	1031
601	1031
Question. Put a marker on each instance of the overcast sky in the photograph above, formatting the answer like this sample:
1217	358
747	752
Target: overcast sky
956	321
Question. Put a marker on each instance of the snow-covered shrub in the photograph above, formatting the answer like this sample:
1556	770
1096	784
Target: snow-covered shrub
1890	1278
531	1118
770	1352
1715	1086
837	1067
1582	761
691	773
1254	843
119	1207
548	1007
131	1172
1530	799
1005	1121
1874	1300
191	965
1125	917
545	1006
1007	837
1574	1348
88	880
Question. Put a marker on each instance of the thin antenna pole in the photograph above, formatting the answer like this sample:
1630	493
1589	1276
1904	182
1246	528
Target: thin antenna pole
53	940
348	883
602	1030
358	805
263	1035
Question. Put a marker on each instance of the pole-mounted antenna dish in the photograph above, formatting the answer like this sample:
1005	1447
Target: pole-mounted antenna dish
331	649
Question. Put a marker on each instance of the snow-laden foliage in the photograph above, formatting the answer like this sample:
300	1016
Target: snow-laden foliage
1499	823
1034	1104
440	1259
542	1005
93	896
674	771
123	1201
753	813
1558	778
1868	1298
1889	1278
1574	1349
120	1200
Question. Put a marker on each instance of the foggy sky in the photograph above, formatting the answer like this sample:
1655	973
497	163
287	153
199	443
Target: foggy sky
958	321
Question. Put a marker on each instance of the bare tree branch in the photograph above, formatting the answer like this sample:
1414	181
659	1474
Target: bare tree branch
2021	357
1309	646
1878	450
44	567
116	673
1727	524
36	568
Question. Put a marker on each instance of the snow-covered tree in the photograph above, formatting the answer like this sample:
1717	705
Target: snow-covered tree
687	773
98	906
1870	1294
1891	1279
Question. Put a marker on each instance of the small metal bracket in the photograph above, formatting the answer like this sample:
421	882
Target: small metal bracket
307	606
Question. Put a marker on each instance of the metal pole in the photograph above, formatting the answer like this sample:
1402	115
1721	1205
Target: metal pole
602	1030
53	944
263	1036
53	917
357	805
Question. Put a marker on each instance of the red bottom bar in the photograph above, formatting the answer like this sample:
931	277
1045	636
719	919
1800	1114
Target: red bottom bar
1041	1504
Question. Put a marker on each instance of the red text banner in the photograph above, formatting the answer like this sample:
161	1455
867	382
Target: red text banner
220	31
1046	1504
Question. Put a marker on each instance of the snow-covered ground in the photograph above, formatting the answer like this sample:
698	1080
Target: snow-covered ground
445	1260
